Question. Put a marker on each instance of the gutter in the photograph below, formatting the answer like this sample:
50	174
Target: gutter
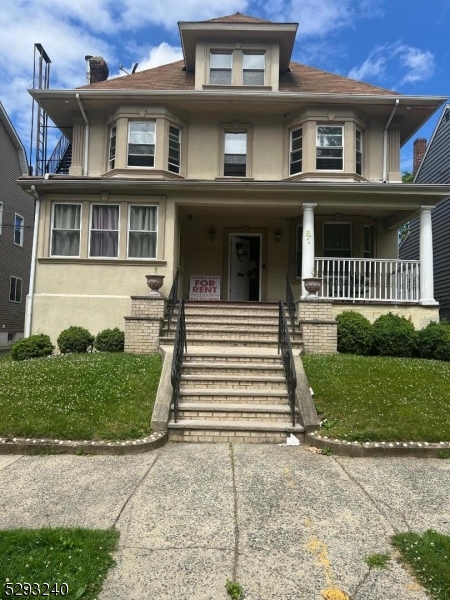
29	307
86	136
385	139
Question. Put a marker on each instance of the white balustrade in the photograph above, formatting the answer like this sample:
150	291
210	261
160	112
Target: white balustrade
369	279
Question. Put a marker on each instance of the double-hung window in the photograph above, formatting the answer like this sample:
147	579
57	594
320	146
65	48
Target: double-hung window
359	152
220	68
295	155
112	147
19	224
66	225
15	289
104	241
174	149
253	68
142	231
330	148
235	154
337	240
141	144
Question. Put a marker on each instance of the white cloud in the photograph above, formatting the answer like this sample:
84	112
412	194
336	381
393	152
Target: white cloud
418	63
160	55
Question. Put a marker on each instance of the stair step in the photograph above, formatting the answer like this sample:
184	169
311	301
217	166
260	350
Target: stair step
234	396
231	368
234	381
243	357
200	317
231	341
232	431
229	407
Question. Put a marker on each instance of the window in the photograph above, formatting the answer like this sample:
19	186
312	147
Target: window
104	240
330	148
15	289
368	241
174	149
1	217
143	227
66	224
337	240
235	154
295	157
112	147
253	68
358	157
220	65
141	144
299	252
18	229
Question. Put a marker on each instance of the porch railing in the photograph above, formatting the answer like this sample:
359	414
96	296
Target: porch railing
284	346
376	280
290	304
172	300
180	347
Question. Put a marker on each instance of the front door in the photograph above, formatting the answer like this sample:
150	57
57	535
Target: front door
244	268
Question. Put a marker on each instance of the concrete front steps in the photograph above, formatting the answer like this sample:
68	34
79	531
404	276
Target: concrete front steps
231	394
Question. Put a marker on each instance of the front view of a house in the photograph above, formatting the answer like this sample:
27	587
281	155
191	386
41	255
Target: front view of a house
235	166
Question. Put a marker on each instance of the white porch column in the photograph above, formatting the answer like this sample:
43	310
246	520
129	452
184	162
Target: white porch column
426	257
307	244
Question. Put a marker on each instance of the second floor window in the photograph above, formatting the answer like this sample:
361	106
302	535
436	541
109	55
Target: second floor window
66	225
18	229
330	148
253	68
174	149
141	144
358	157
104	240
235	154
220	65
112	147
15	289
295	156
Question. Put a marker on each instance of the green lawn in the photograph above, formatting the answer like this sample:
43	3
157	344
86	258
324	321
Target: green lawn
375	398
78	558
79	396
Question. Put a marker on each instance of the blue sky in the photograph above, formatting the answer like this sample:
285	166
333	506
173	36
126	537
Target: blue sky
397	44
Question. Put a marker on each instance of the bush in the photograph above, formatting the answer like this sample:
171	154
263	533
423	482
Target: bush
393	336
75	339
354	333
110	340
434	341
35	346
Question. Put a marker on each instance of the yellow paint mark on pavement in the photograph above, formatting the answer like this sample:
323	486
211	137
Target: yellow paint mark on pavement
335	594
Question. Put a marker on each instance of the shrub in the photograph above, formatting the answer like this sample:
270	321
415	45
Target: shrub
75	339
35	346
110	340
354	333
434	341
393	336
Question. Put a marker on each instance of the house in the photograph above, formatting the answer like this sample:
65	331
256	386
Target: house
432	165
16	233
237	166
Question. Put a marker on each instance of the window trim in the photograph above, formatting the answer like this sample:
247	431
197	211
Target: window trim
1	217
130	205
342	126
349	223
235	127
80	204
291	131
21	230
130	121
21	289
91	206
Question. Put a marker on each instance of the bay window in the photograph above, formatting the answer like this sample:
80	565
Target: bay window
112	147
358	152
142	231
104	238
174	149
66	225
295	155
330	148
141	144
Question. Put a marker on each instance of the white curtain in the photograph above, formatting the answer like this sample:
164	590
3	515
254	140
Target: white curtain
66	230
143	228
104	230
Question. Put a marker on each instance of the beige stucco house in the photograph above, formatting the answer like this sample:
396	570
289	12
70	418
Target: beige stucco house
235	163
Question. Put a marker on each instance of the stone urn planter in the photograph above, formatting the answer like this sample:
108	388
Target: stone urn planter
155	282
312	285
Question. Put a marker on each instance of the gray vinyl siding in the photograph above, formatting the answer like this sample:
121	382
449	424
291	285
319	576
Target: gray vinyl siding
14	260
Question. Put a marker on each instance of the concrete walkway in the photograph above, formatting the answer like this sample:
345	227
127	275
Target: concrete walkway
285	523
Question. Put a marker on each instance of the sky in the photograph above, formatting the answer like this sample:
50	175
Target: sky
400	45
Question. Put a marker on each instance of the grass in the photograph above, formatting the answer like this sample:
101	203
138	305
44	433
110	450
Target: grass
80	396
376	398
428	556
79	558
377	561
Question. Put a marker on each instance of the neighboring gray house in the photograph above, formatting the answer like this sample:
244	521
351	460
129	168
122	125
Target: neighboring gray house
16	233
434	167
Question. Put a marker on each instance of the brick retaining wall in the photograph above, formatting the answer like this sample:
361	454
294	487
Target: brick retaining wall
318	326
142	328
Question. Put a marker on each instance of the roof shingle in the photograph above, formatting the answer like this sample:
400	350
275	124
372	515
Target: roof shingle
237	18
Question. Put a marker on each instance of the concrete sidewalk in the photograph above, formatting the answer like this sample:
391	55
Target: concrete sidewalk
285	523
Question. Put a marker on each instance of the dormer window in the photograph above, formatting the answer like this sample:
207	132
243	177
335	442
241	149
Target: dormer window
238	67
141	144
253	68
220	65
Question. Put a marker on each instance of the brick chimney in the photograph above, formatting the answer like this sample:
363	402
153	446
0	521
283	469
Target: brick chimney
420	146
98	69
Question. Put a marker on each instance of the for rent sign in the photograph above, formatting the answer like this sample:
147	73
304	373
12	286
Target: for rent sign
204	287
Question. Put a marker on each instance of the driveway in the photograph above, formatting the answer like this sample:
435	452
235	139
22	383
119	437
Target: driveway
283	522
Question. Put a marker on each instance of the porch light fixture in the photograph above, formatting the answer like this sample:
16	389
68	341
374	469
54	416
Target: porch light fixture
277	235
212	233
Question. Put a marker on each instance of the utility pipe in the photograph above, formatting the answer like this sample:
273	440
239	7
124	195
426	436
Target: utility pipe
394	110
86	136
29	304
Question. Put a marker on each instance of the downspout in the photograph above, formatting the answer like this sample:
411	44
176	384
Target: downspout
29	309
385	140
86	136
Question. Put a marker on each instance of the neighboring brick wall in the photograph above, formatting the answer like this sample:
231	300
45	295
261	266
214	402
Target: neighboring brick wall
142	329
318	327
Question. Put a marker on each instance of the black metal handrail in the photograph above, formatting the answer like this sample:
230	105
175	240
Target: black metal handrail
172	300
179	348
284	346
55	164
290	303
